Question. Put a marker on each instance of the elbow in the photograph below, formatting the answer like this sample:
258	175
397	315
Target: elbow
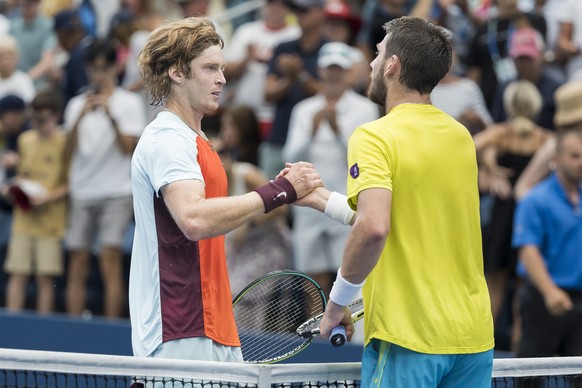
376	232
194	229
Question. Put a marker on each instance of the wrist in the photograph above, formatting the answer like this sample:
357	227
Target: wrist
343	292
337	208
277	193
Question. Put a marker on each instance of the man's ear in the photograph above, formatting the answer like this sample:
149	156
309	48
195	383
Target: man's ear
176	75
392	66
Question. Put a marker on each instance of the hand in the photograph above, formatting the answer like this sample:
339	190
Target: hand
94	101
304	178
290	65
500	187
558	301
334	316
317	199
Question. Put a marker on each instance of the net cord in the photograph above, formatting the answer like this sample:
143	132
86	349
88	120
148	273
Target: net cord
111	365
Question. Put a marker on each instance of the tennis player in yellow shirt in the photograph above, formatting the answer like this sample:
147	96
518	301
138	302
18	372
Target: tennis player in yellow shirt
415	245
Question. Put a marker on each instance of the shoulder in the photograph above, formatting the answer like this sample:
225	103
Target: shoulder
539	195
28	136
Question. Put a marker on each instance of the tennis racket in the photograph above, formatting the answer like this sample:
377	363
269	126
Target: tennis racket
337	337
268	311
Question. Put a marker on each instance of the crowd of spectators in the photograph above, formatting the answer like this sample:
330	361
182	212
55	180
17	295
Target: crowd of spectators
283	102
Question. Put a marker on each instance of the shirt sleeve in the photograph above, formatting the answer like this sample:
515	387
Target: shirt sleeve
528	228
370	163
173	157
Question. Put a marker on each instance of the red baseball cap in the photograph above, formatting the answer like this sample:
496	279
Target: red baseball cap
337	9
526	42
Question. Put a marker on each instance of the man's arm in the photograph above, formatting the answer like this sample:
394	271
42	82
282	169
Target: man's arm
363	248
201	218
557	300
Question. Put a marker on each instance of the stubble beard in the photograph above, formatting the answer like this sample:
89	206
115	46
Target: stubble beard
377	92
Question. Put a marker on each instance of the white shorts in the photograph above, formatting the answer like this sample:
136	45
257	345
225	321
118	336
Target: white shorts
198	348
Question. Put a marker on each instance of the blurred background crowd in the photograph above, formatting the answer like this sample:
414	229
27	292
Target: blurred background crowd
72	107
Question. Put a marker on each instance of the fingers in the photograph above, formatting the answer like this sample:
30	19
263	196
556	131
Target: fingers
283	172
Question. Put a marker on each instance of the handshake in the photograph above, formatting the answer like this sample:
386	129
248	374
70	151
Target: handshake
299	183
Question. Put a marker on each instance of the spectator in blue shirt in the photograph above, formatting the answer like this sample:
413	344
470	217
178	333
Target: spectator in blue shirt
547	232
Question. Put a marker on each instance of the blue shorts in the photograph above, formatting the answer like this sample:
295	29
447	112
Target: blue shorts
387	365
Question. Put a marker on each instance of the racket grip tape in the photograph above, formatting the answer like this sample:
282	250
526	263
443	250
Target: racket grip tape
338	336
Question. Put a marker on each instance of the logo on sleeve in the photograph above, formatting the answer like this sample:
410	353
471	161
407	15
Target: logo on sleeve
355	171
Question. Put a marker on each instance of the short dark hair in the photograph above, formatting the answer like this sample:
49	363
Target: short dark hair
50	99
101	48
564	131
424	51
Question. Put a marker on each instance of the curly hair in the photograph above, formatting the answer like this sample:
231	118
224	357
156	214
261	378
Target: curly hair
174	44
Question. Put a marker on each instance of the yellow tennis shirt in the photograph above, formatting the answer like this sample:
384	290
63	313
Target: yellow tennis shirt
428	292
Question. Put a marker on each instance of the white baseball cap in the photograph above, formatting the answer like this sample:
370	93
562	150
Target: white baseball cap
335	53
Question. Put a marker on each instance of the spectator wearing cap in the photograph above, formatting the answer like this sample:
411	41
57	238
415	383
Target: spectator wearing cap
547	232
292	77
249	51
319	130
74	40
12	80
37	42
342	25
526	49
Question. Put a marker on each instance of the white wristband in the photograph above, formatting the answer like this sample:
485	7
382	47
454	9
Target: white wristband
343	292
337	208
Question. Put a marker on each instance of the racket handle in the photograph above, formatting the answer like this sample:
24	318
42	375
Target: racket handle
338	336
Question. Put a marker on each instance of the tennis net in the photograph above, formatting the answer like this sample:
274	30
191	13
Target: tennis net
30	368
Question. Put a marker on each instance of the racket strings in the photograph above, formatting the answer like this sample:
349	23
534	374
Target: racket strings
268	315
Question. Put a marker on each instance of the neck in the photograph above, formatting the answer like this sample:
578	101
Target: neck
188	116
402	95
333	92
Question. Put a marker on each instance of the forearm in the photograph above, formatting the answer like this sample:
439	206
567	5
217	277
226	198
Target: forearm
72	139
42	67
213	217
57	193
201	218
362	251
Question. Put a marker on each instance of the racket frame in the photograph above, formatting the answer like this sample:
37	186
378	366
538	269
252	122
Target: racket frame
307	340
